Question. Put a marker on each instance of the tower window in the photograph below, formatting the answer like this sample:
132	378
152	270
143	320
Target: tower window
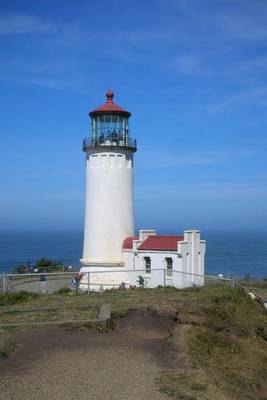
147	261
169	266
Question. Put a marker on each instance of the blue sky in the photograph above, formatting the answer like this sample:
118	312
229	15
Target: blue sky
193	74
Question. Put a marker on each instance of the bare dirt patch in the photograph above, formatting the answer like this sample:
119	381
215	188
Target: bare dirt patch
123	364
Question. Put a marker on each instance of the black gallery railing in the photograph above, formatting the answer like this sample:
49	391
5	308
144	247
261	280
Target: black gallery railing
109	140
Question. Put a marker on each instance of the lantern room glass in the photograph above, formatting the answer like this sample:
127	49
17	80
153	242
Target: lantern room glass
110	125
109	129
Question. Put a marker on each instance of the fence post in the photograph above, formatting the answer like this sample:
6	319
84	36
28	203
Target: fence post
164	278
4	282
88	282
233	282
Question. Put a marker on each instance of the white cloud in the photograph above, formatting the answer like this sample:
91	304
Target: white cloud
158	160
186	63
256	95
16	24
155	159
246	27
210	190
41	81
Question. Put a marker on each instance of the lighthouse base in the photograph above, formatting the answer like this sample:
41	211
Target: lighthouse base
107	264
102	276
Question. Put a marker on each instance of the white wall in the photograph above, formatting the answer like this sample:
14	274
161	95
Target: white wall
158	274
193	256
108	206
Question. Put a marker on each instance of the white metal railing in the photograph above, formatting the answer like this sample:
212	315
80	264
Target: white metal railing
101	280
113	279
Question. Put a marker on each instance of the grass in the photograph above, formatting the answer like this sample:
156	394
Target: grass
6	349
16	298
181	385
231	345
23	307
221	338
258	286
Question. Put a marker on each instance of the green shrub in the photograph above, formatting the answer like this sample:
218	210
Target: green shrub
5	349
233	310
64	291
15	298
46	265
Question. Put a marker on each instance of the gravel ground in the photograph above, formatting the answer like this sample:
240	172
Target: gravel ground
56	364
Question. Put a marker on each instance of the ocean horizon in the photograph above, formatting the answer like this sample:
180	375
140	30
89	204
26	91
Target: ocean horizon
231	253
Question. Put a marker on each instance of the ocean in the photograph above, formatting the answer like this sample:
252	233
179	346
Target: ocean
237	253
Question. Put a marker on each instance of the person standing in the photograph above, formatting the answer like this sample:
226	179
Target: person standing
141	281
42	283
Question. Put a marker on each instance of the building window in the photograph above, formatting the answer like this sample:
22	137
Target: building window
147	265
169	266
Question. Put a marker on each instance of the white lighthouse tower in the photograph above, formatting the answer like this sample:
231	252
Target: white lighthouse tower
109	215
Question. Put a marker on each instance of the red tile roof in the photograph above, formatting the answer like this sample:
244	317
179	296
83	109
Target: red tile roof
161	243
128	242
109	107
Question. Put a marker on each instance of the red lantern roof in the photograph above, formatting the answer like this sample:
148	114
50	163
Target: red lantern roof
109	107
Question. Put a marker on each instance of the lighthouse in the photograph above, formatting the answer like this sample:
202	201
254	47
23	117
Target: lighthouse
113	255
109	213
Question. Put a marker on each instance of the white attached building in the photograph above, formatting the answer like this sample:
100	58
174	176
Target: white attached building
166	260
111	252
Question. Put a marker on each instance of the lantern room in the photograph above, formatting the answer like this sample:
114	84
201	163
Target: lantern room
109	127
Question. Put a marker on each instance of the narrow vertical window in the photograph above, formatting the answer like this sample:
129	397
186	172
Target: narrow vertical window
169	266
147	265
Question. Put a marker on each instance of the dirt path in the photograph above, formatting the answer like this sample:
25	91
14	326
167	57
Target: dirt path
56	364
